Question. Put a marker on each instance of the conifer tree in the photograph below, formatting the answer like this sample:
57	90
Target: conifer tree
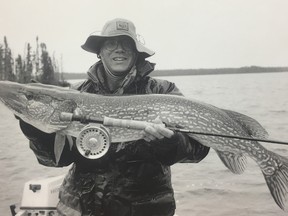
28	65
22	69
47	69
19	69
36	59
8	62
1	63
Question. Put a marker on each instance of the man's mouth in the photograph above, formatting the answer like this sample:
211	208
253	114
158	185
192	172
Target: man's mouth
119	59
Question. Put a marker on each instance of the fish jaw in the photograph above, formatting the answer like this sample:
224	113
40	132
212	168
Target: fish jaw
35	105
10	96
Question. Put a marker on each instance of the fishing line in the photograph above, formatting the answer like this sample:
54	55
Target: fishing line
229	136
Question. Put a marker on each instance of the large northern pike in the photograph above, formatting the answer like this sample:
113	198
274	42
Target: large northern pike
41	106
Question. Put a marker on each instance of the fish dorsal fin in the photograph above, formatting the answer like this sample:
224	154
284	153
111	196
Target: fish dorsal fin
236	163
250	125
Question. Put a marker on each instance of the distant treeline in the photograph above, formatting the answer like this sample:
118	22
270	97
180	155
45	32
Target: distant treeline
182	72
35	64
250	69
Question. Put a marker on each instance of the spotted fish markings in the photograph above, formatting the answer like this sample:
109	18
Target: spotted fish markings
41	105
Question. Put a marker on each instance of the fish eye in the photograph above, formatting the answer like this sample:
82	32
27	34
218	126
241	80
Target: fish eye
29	96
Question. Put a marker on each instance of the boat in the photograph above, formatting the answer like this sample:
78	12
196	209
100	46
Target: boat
40	197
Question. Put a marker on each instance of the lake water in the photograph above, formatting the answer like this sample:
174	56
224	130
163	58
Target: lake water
203	189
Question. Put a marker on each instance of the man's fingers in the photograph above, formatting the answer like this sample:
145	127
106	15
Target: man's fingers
157	120
154	131
147	137
164	131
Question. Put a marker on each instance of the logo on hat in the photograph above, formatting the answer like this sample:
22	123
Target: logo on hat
120	25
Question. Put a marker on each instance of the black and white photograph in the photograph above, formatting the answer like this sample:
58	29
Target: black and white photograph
143	108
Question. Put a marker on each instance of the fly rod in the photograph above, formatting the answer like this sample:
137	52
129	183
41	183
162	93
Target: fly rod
141	125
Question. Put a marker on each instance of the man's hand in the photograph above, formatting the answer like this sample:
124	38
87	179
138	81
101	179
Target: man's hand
156	131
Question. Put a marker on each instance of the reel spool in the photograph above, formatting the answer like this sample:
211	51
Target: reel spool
93	141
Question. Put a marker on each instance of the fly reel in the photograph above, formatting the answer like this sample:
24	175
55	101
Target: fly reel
93	141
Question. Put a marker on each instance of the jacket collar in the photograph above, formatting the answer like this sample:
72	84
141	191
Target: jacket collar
97	77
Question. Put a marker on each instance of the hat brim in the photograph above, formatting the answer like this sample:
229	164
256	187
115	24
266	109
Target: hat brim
94	42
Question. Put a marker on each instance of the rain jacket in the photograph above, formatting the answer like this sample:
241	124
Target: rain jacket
132	179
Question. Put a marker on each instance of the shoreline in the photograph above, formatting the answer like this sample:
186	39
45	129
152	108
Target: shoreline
158	73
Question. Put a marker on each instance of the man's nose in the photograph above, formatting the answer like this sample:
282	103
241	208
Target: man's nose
119	47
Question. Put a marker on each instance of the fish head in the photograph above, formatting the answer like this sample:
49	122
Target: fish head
37	104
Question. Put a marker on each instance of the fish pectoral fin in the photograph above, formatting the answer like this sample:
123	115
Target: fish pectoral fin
59	145
70	141
236	163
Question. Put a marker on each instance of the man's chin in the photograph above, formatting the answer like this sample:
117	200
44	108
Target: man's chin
120	69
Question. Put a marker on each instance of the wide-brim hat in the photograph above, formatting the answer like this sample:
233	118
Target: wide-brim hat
114	28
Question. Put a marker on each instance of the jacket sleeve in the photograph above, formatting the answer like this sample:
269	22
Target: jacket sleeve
42	145
181	147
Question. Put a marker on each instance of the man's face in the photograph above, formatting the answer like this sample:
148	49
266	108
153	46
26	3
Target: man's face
118	54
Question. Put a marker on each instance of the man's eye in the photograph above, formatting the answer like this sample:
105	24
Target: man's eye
127	44
111	43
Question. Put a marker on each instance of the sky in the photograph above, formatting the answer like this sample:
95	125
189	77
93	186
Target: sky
185	34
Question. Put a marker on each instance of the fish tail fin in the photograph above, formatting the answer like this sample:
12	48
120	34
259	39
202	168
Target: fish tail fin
277	181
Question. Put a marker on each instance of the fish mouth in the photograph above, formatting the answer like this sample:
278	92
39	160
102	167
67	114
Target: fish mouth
11	96
16	104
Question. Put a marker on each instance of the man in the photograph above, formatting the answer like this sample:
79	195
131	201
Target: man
132	178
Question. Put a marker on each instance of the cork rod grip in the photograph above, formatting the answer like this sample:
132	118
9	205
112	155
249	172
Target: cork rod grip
131	124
